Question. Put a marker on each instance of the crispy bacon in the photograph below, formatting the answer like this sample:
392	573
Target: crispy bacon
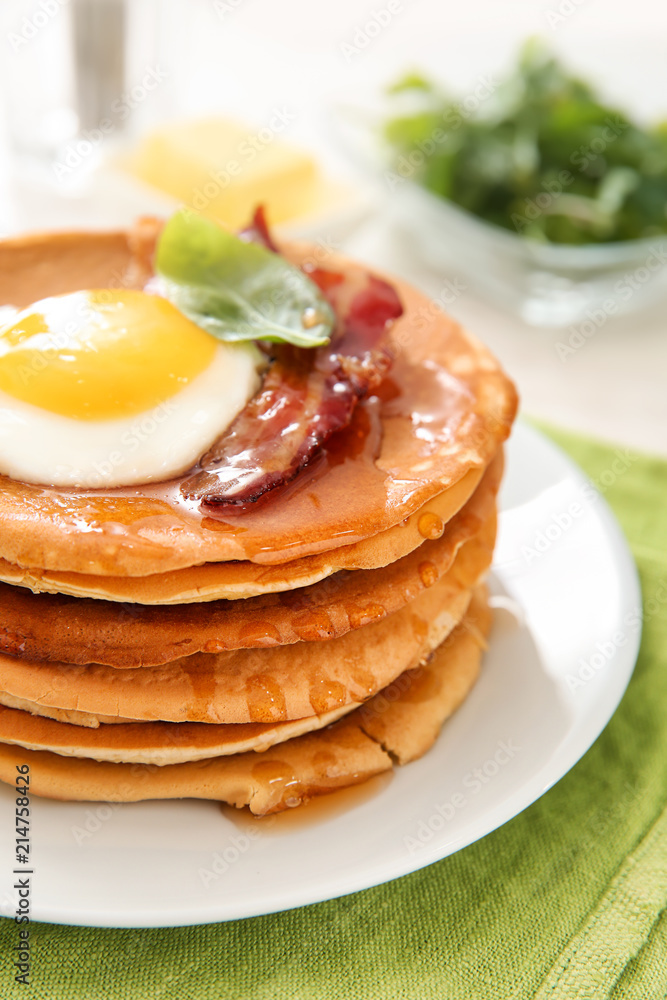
307	395
258	231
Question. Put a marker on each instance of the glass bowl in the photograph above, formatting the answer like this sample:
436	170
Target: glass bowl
546	284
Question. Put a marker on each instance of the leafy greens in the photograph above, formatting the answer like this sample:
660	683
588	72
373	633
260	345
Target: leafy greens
540	154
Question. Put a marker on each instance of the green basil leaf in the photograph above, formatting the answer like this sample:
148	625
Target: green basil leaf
236	290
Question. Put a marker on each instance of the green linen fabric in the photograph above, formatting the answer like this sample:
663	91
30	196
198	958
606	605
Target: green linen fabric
567	900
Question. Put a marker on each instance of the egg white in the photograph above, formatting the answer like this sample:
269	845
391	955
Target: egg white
37	446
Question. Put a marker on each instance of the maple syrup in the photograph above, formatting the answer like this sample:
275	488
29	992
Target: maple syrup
318	810
428	573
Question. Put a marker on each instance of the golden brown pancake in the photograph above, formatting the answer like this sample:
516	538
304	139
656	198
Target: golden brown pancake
160	743
251	685
278	779
401	723
445	410
72	630
243	579
87	719
407	716
37	265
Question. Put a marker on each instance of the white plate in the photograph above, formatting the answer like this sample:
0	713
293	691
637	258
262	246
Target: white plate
549	685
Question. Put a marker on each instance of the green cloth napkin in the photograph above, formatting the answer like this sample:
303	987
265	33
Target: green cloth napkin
567	900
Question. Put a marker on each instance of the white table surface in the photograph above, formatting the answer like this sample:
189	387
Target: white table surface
248	57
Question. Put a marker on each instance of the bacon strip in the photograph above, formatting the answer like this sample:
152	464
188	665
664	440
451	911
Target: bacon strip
307	395
258	231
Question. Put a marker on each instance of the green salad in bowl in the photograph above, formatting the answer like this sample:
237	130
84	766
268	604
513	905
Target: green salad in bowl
547	194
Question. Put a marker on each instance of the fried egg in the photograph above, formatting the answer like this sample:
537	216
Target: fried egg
113	387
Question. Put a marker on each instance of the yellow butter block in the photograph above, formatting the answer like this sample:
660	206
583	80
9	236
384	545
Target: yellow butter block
225	169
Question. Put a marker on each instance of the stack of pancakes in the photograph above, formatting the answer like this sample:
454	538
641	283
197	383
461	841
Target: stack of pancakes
151	650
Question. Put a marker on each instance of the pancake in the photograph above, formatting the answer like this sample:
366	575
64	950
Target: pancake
243	579
280	778
399	724
67	629
160	743
251	685
72	630
87	719
37	265
445	410
407	716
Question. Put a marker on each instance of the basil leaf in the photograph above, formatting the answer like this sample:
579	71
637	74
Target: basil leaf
236	290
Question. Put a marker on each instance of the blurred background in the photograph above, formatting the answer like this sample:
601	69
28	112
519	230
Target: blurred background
423	137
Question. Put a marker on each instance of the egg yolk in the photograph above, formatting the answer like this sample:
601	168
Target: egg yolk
100	355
